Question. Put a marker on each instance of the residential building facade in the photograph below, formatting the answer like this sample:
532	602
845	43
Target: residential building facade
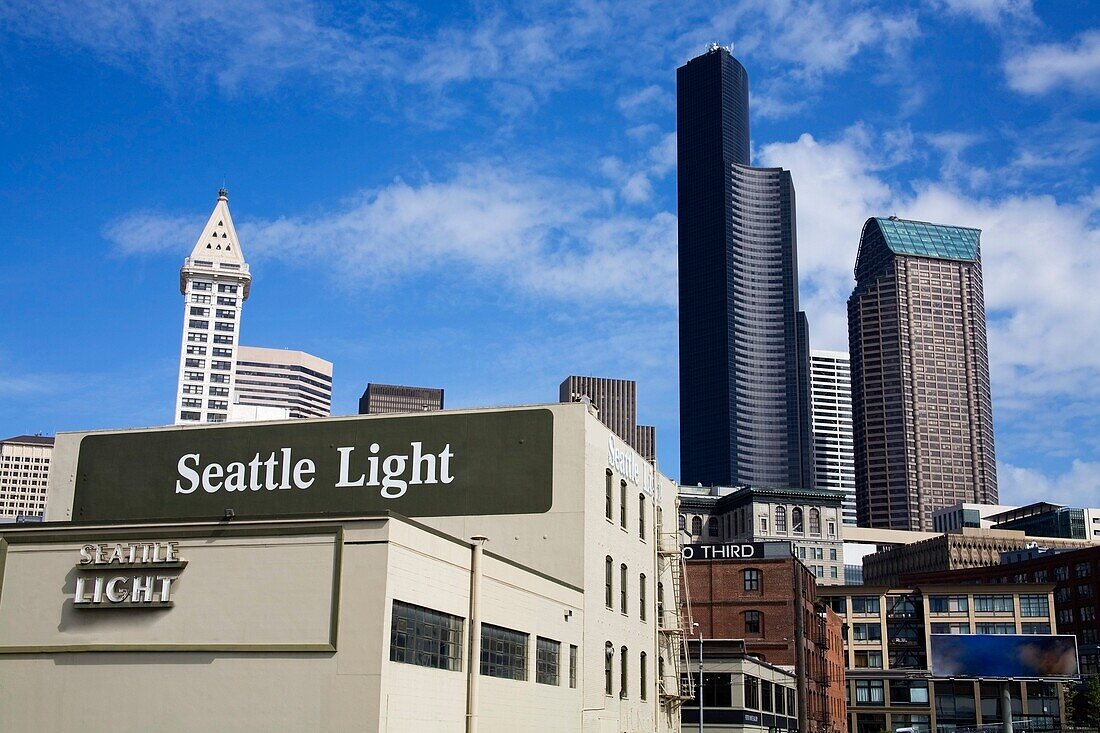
299	382
214	282
831	407
616	401
384	399
24	476
744	353
921	409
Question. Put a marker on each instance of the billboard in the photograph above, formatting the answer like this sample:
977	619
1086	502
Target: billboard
1003	655
420	466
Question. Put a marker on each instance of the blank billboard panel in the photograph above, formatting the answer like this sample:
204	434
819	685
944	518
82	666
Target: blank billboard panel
1003	655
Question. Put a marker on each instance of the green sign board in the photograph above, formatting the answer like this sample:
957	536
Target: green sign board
419	466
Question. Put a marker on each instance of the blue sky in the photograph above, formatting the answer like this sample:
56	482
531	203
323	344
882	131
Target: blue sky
482	197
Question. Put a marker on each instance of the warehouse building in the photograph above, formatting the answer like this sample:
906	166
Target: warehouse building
492	570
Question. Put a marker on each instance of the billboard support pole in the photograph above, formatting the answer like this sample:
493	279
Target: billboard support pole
1006	708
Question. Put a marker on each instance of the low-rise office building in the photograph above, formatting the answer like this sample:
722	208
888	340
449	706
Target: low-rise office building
904	646
24	477
760	593
270	572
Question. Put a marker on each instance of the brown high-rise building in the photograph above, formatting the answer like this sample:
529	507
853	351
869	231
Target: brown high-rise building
921	410
386	398
617	402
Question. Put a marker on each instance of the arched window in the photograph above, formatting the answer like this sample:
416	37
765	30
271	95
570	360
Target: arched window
608	660
641	517
751	578
622	504
661	674
754	623
643	672
712	527
660	604
623	673
683	523
608	580
641	596
607	498
622	589
697	526
781	519
796	520
815	521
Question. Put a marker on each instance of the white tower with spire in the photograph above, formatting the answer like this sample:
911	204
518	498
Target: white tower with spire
214	281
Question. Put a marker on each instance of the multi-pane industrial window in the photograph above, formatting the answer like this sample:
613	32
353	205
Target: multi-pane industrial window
752	622
1087	613
1061	573
993	604
191	402
503	653
608	582
607	496
942	628
425	637
869	659
193	323
995	628
948	604
622	504
1082	570
185	415
200	350
751	578
196	337
1065	616
1034	628
221	365
641	596
1034	605
572	666
197	311
220	378
196	363
222	313
223	326
193	376
865	604
869	692
866	632
223	339
547	654
781	519
622	588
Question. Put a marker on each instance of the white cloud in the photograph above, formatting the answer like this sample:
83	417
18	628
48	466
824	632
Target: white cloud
1074	65
645	101
539	235
990	12
1077	486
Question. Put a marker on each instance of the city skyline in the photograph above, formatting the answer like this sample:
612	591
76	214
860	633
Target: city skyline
392	240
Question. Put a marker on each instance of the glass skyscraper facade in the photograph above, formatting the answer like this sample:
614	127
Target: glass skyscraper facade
744	346
922	414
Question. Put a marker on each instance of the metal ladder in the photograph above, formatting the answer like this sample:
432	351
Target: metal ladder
674	636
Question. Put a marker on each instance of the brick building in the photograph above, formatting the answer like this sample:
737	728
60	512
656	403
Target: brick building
1076	578
750	597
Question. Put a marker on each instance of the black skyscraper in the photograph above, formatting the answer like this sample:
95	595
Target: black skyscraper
744	351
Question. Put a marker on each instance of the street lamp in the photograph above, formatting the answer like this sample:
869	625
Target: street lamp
699	692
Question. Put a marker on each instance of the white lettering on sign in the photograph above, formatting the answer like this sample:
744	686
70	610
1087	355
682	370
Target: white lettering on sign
718	552
97	587
393	473
626	462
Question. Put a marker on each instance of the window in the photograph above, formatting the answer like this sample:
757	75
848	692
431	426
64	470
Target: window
503	653
1061	573
1032	606
196	311
948	604
608	660
832	528
607	497
712	527
781	519
222	352
222	326
622	589
608	581
766	695
221	313
832	554
908	692
865	604
717	690
763	525
942	628
192	389
697	526
752	622
223	339
194	323
1083	591
425	637
223	301
641	517
196	337
623	673
660	604
193	376
1032	627
643	675
833	572
1065	616
226	288
220	378
796	520
547	652
1062	595
815	521
572	666
200	286
870	659
641	597
751	579
866	632
191	402
1082	570
752	692
1087	613
869	692
223	366
622	504
197	350
993	604
994	628
194	363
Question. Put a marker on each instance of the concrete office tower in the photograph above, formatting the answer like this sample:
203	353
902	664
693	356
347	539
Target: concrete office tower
617	403
831	402
24	475
744	355
215	282
922	416
379	399
299	382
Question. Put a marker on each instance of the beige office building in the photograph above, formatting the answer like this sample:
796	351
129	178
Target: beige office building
266	577
24	473
294	381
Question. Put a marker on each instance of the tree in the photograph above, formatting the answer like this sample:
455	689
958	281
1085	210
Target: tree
1088	701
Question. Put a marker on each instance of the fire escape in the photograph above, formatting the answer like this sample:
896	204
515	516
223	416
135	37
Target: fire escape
819	663
673	622
905	631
